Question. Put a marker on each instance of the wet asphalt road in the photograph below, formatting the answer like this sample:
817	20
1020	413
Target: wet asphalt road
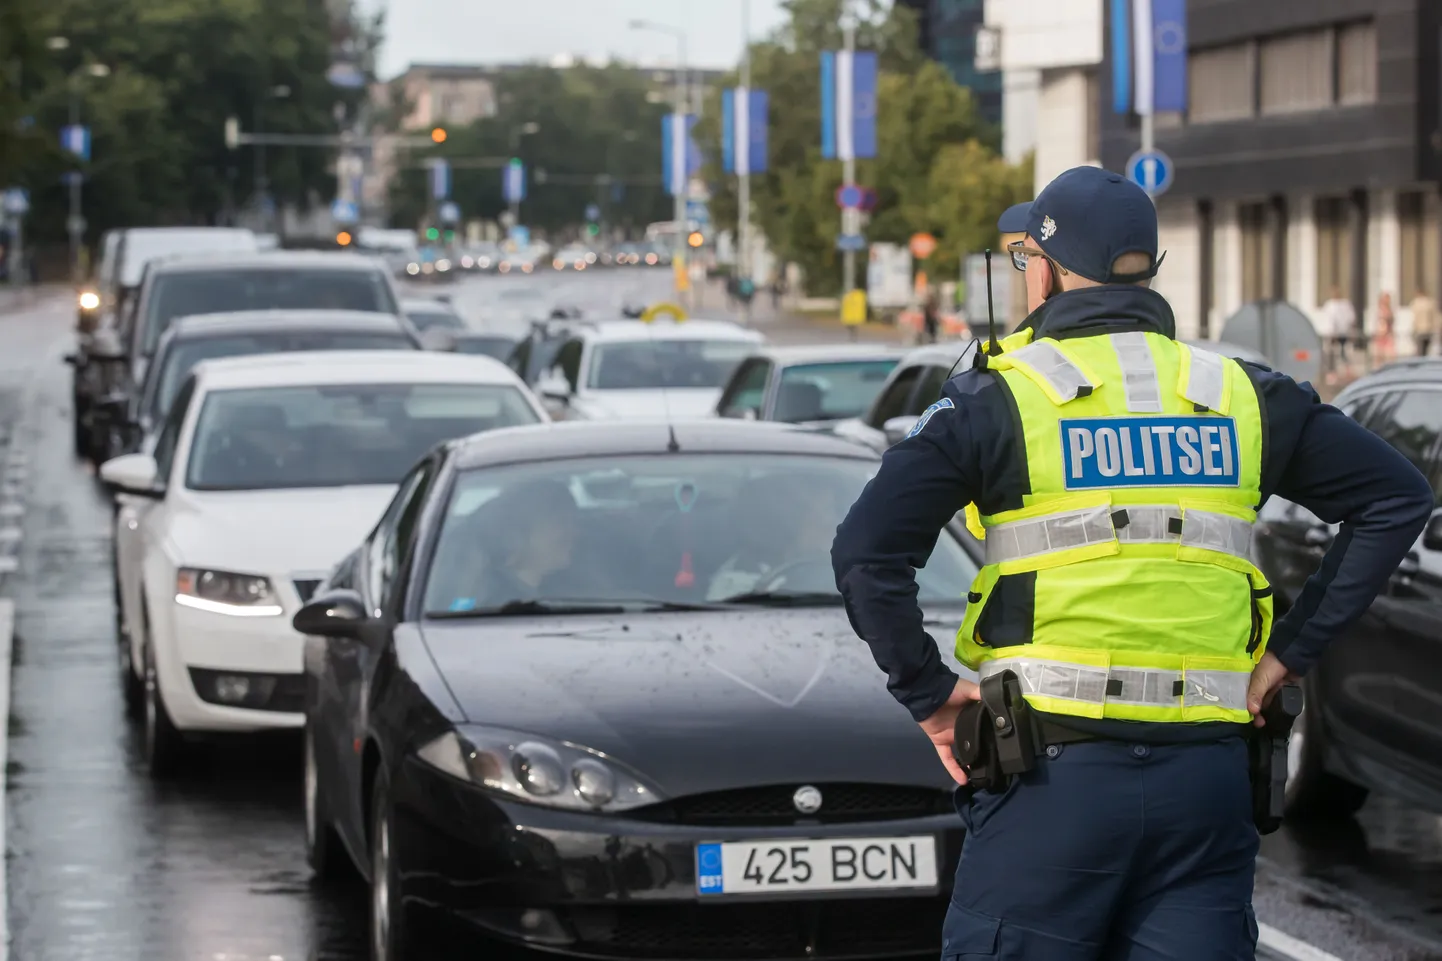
104	865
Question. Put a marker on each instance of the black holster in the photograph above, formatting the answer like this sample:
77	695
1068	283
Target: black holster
999	736
1267	757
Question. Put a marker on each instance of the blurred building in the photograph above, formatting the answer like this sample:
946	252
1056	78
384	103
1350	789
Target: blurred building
948	31
1307	162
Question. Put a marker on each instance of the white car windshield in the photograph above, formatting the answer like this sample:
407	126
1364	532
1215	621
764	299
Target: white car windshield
337	435
656	363
225	289
716	528
832	391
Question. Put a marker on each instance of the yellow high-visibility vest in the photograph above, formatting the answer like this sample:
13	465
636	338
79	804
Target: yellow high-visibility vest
1144	460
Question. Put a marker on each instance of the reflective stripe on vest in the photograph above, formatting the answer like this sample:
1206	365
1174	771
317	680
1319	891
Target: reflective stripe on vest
1206	383
1043	362
1139	372
1140	524
1124	685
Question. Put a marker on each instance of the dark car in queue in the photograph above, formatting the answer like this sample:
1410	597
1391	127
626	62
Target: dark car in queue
431	314
1373	715
490	343
101	361
190	340
225	283
590	687
807	385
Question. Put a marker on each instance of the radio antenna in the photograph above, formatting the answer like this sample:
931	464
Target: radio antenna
992	348
672	444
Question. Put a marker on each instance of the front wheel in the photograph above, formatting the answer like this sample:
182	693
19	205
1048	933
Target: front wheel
322	847
164	744
1313	793
390	934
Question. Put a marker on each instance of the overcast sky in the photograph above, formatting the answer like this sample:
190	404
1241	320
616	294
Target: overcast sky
496	31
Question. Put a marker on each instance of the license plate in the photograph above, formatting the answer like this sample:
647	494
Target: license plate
840	864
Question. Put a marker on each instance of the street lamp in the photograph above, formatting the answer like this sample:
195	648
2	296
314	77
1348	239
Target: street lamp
57	43
75	224
262	185
678	129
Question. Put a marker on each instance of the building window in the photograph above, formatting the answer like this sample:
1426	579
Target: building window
1256	252
1334	248
1419	246
1357	63
1222	83
1296	72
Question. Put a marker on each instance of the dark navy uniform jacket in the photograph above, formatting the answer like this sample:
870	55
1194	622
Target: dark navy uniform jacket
1312	453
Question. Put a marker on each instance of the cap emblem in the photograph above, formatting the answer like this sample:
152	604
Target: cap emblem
1048	227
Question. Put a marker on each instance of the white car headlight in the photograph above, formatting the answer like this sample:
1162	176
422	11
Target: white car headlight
89	300
537	770
224	592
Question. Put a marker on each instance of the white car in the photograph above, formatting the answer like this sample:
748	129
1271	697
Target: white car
625	369
266	472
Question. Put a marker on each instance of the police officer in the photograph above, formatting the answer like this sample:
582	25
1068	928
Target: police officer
1115	474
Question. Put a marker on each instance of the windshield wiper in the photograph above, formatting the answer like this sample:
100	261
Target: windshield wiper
567	606
785	599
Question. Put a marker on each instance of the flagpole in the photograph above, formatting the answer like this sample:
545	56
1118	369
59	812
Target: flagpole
848	160
743	189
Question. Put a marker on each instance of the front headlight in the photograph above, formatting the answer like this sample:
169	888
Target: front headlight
537	770
223	592
89	300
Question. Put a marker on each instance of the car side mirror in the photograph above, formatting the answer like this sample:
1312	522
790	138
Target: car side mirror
1432	533
336	613
554	386
439	339
896	428
135	474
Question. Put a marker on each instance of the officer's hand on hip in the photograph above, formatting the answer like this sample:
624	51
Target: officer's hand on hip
1269	675
941	726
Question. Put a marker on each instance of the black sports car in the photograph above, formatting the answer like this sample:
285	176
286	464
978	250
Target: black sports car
590	687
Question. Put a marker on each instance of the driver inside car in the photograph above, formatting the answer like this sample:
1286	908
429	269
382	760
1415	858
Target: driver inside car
787	523
528	537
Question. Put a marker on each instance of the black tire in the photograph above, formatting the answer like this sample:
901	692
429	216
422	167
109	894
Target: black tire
322	847
77	420
164	744
132	685
1313	792
390	934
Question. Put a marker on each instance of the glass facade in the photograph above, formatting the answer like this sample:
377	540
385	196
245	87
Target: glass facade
948	35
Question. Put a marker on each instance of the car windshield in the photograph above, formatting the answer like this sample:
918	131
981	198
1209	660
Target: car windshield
498	347
337	435
225	289
833	391
428	319
663	529
181	358
656	363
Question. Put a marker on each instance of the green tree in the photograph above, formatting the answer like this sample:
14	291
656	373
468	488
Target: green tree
926	126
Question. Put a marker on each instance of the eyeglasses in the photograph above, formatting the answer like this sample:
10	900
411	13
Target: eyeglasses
1020	254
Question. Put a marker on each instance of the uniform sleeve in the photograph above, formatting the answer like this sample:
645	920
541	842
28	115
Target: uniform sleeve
890	531
1346	475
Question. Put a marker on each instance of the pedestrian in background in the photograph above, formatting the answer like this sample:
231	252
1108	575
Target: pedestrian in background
1384	345
1424	321
1339	321
1117	564
931	316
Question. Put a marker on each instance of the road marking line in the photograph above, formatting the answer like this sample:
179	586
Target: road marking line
12	509
8	565
10	534
1284	944
7	638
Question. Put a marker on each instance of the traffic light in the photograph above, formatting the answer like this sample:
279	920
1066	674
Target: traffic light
438	134
432	233
696	239
592	229
343	238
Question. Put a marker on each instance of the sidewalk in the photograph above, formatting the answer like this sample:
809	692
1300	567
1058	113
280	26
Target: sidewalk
13	298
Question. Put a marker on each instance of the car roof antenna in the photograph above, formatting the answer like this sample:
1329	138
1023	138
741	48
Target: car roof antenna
672	444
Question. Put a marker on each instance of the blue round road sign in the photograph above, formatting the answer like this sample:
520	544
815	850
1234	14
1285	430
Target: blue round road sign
849	196
1151	170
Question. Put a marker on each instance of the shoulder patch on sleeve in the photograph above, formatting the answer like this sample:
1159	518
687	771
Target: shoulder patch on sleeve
943	404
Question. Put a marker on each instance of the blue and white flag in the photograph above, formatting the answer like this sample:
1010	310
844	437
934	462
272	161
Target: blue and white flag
680	154
1149	56
440	179
848	104
76	140
743	130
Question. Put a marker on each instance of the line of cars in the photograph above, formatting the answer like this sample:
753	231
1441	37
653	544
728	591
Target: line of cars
564	681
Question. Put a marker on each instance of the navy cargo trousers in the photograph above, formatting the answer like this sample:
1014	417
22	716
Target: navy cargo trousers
1110	851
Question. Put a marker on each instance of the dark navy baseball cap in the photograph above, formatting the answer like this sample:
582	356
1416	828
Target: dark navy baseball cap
1085	219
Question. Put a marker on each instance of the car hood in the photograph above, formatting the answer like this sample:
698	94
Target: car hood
276	532
695	702
621	404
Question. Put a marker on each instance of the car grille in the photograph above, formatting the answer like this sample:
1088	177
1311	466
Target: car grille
305	588
841	928
773	805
